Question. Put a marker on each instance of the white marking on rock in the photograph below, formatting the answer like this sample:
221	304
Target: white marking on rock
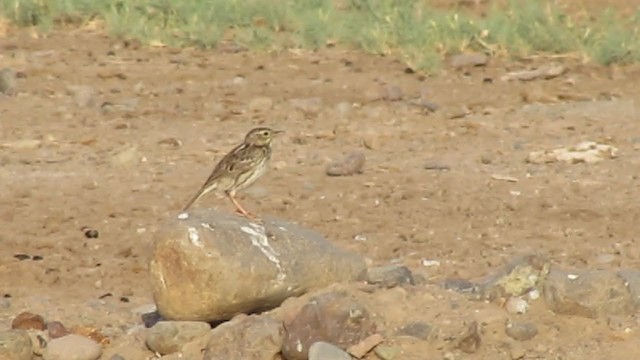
259	239
207	226
194	237
572	276
183	216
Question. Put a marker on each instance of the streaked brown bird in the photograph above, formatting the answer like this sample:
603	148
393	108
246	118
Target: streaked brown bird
240	168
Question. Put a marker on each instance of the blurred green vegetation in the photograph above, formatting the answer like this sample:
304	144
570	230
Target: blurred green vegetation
420	34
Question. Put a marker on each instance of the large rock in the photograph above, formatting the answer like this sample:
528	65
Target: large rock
15	344
588	293
214	265
334	317
167	337
246	337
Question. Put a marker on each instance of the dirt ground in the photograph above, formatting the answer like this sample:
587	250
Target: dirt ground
123	159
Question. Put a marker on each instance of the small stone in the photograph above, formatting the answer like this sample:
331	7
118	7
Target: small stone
517	351
15	345
516	305
28	321
72	347
392	93
361	349
167	337
321	350
261	104
390	276
335	317
349	165
83	95
125	156
621	323
521	331
470	340
486	159
417	329
117	357
8	81
469	60
255	337
459	285
386	352
56	329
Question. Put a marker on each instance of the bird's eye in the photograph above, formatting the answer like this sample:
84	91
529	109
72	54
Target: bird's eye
266	133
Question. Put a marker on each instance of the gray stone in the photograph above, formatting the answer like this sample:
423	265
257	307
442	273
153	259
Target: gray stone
215	265
166	337
255	337
470	340
386	352
588	293
15	345
519	276
469	60
348	165
632	281
334	317
8	81
321	350
390	276
392	93
117	357
521	331
72	347
417	329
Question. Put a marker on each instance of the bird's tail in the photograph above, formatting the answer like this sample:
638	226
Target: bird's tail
202	192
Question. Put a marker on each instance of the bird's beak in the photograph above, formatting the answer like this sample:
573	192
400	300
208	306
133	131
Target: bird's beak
278	131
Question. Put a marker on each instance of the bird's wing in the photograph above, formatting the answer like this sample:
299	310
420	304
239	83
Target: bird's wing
238	161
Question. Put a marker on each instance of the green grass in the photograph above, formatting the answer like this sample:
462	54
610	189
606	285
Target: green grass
408	28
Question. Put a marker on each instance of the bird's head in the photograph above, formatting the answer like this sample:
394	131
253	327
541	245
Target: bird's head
261	136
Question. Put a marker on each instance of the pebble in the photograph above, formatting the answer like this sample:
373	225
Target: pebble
468	60
350	164
72	347
15	345
417	329
392	93
521	331
390	276
386	352
7	81
28	321
362	348
517	351
470	340
321	350
166	337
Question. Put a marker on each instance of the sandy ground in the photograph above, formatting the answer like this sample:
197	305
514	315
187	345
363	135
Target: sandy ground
129	151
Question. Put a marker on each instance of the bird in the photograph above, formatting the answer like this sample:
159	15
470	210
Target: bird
240	168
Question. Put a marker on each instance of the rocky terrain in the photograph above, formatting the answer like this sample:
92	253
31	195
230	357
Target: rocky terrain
483	212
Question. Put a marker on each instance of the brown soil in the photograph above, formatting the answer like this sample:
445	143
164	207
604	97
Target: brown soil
194	106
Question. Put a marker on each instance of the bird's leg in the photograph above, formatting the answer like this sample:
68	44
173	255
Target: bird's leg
239	209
